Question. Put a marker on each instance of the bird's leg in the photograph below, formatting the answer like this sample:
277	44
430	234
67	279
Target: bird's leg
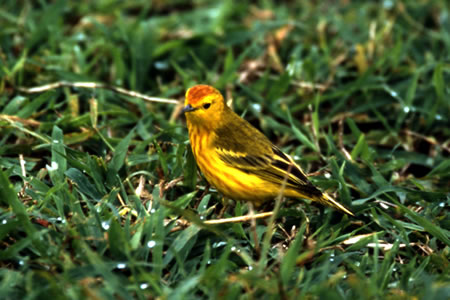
205	192
225	204
253	228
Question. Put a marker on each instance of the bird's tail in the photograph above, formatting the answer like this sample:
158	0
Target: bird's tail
327	200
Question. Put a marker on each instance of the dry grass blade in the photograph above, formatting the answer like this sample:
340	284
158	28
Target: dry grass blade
93	85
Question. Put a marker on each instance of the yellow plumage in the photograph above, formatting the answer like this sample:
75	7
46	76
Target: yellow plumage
239	160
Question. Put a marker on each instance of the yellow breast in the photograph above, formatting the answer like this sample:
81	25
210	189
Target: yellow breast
229	181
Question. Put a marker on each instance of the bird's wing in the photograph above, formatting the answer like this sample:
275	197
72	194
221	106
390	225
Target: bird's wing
241	146
274	168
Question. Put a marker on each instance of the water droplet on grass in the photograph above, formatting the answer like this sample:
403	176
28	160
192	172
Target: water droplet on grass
105	225
53	166
151	244
121	266
161	65
393	93
219	244
143	286
257	107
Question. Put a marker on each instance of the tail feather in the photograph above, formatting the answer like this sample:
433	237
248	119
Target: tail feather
327	200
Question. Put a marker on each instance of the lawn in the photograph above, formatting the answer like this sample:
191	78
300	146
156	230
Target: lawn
100	196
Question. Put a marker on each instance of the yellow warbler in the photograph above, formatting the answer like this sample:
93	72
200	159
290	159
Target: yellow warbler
238	159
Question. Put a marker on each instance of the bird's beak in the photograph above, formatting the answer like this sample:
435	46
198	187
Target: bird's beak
188	108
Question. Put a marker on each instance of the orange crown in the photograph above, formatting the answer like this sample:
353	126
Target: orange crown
198	92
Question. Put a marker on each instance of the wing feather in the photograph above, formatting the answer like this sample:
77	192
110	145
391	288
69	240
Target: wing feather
243	147
275	169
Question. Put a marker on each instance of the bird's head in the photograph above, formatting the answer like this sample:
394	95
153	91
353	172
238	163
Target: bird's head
204	105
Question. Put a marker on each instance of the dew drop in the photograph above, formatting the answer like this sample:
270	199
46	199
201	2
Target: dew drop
121	266
151	244
53	166
143	286
327	175
105	225
4	222
406	109
219	244
208	262
152	211
55	142
21	262
257	107
233	248
202	217
161	65
442	204
438	117
250	268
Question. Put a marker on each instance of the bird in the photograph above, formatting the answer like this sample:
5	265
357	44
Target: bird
237	159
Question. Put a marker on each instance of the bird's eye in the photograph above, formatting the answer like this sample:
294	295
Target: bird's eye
206	105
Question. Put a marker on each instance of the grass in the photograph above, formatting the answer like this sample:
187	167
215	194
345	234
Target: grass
95	186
